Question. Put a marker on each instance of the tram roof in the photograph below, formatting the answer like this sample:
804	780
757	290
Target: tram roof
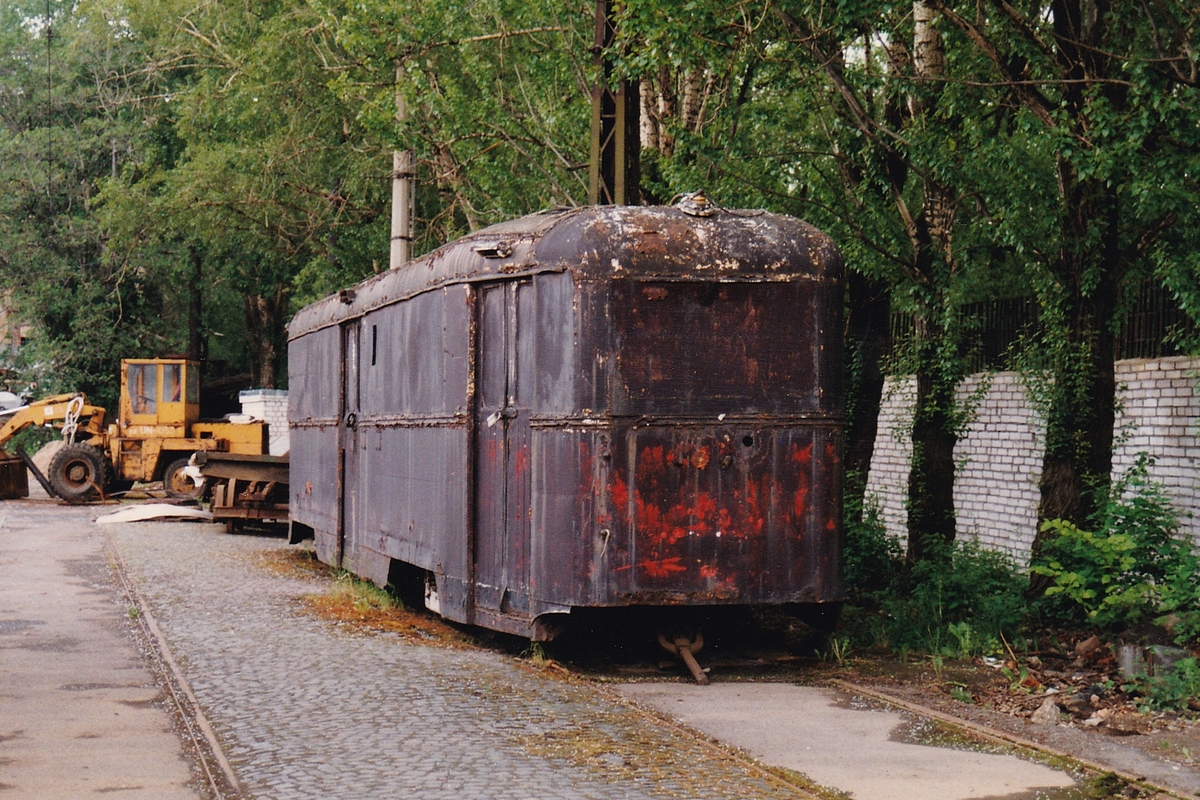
599	243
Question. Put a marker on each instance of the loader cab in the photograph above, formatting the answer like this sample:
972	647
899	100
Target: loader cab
160	396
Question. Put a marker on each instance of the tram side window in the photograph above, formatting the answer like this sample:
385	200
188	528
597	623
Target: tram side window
172	383
142	381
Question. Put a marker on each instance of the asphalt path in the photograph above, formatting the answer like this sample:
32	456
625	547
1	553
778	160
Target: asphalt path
81	712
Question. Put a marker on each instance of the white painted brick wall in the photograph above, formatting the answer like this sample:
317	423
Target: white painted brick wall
887	482
1160	414
999	461
1000	457
269	405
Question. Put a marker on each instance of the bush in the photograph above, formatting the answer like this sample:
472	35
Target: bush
872	559
959	603
1134	569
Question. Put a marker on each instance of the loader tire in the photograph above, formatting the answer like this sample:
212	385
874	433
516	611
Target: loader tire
78	473
177	483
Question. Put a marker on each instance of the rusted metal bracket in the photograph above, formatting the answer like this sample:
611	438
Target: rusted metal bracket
33	468
99	490
256	493
686	649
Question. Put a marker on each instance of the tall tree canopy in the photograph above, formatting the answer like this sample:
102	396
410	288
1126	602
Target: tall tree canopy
180	177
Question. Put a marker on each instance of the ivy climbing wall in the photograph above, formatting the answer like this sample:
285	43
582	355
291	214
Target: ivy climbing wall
1000	457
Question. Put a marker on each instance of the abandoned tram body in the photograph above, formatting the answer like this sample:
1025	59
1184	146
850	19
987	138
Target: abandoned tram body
598	407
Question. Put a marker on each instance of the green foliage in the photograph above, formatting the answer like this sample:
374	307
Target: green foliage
837	651
1169	689
497	97
963	602
1017	678
536	652
962	694
1087	569
1134	569
72	118
872	558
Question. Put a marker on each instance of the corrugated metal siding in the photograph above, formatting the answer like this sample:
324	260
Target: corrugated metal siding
413	427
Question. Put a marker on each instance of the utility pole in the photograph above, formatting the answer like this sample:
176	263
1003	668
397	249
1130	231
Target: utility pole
403	167
615	171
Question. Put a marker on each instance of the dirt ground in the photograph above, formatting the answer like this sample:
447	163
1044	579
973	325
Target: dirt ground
1096	720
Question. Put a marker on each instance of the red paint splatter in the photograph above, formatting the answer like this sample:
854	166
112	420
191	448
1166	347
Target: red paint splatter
674	513
802	458
662	526
662	568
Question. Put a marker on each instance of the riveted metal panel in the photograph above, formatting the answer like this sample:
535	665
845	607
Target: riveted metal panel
744	513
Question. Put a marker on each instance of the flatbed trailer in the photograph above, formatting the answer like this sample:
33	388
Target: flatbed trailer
246	488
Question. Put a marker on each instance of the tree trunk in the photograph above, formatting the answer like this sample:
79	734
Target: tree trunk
666	110
264	329
931	518
196	348
1077	462
648	121
1078	468
868	307
692	99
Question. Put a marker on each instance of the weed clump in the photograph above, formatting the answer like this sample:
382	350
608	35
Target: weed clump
1173	689
963	601
1130	578
368	607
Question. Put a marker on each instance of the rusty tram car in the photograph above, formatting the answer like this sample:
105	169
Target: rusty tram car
596	407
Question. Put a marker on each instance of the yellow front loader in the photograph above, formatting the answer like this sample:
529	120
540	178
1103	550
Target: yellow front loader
157	429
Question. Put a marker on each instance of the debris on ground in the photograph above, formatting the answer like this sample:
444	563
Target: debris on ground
1046	714
155	511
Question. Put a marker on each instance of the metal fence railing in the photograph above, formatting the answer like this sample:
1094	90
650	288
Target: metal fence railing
994	330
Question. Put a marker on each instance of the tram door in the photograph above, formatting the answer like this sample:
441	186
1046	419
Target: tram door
349	485
504	385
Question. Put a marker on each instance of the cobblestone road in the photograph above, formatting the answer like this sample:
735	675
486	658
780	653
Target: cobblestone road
307	709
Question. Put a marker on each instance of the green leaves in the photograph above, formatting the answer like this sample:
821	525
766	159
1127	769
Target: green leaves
1133	569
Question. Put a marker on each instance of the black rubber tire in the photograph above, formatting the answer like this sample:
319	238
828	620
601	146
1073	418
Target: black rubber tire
177	484
79	473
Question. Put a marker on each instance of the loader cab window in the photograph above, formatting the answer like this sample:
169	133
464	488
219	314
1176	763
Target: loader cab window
142	382
172	383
